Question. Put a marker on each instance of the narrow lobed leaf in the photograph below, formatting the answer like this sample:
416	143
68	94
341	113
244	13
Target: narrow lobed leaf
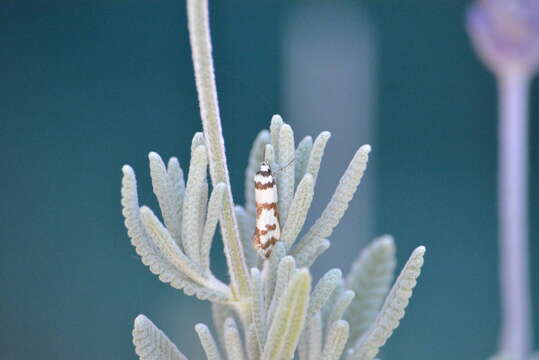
256	156
192	217
301	157
269	155
168	246
151	343
289	319
315	337
198	140
208	342
334	211
275	129
370	278
271	268
299	208
258	307
311	340
246	225
336	340
233	343
177	184
341	305
233	249
150	254
392	311
286	269
203	207
317	152
285	174
307	256
221	312
215	207
322	291
169	198
251	341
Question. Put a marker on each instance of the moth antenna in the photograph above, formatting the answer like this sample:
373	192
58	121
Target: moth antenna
284	167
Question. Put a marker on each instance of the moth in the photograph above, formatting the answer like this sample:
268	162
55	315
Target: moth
268	230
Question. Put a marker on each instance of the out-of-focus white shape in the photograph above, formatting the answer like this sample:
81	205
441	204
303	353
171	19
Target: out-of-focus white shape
329	67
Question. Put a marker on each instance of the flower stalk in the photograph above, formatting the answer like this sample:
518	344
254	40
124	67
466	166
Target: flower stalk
513	214
505	34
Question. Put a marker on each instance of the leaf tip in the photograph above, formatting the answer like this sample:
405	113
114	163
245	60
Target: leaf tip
365	148
127	170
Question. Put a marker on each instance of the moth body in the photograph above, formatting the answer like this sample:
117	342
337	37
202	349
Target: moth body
267	231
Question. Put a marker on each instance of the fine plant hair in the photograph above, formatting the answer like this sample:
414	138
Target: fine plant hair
271	309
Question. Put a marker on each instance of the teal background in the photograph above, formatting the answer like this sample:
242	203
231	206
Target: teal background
87	86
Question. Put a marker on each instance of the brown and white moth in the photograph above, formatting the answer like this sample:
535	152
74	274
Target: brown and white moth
268	230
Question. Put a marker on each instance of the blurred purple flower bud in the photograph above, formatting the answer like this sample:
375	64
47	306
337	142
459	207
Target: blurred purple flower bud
505	34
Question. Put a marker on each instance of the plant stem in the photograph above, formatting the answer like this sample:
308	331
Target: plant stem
199	35
513	213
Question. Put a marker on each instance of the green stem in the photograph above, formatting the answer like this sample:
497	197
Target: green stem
199	35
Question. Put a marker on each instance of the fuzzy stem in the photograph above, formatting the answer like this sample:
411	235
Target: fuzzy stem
513	213
199	35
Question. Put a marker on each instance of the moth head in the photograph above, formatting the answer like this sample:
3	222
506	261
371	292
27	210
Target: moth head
264	167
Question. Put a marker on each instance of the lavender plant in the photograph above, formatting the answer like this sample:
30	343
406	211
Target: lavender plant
270	309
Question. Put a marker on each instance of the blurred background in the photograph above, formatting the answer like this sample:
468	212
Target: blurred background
88	86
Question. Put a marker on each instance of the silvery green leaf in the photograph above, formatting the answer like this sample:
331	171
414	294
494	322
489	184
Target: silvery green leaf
203	206
233	343
286	269
168	247
315	337
322	291
301	157
208	342
269	156
285	173
169	188
150	254
233	249
330	304
299	209
198	140
334	211
271	268
335	340
215	207
251	341
151	343
246	225
370	277
258	306
192	217
220	312
256	156
310	346
340	306
275	129
392	311
289	318
315	158
307	256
